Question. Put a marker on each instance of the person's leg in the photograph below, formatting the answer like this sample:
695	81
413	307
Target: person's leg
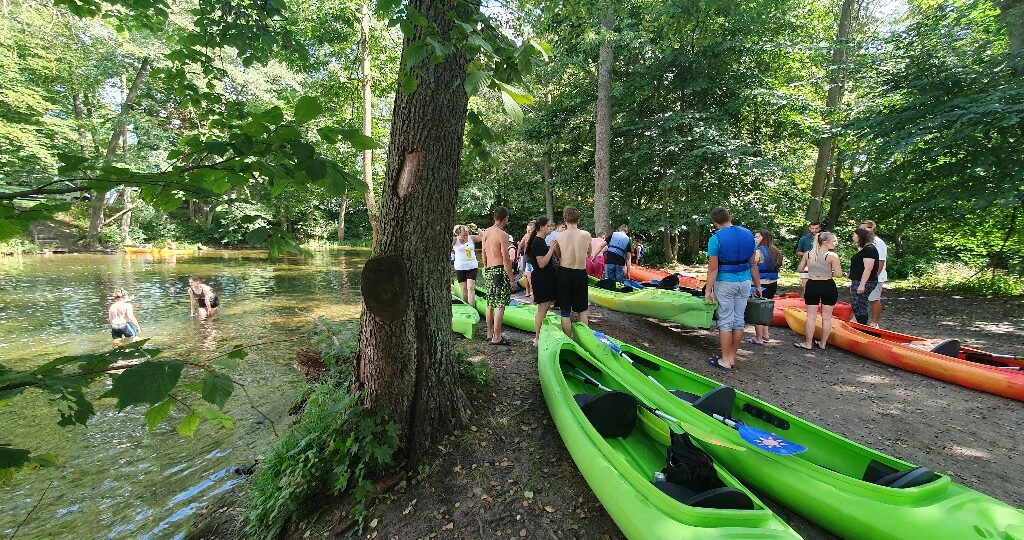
542	311
499	315
760	333
725	293
739	298
620	274
876	305
529	285
469	292
584	318
812	316
201	312
859	302
464	287
734	346
488	317
826	325
567	323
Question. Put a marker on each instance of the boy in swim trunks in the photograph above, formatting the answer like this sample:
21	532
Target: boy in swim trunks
574	246
121	317
497	274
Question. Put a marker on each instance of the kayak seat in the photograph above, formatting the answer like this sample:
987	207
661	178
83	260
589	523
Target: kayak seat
721	497
613	414
950	347
907	479
718	401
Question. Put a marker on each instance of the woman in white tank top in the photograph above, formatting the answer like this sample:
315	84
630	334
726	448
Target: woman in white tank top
821	265
464	251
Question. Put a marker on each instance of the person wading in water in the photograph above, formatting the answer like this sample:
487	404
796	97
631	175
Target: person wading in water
202	296
121	317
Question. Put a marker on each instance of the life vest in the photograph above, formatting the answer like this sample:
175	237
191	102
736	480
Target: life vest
735	247
619	244
763	267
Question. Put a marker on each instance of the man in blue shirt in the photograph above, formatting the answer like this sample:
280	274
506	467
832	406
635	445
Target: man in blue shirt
731	267
619	255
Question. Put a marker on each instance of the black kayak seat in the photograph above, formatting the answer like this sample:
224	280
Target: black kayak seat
613	414
722	497
907	479
718	401
950	347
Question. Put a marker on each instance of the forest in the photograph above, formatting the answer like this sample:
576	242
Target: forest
293	127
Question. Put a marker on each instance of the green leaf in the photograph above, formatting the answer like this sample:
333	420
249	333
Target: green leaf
148	382
358	140
9	228
307	108
477	81
217	388
158	413
519	95
225	363
273	115
238	353
512	107
543	48
414	54
188	425
12	458
409	84
215	415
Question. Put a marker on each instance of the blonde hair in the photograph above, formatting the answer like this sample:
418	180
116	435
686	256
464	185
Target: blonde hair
457	231
819	253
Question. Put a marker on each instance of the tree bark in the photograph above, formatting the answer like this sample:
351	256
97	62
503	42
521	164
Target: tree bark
342	208
671	255
602	148
96	215
836	88
1012	13
838	196
407	365
126	219
549	199
371	198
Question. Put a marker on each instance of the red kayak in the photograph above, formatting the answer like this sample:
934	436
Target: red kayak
842	310
946	360
644	274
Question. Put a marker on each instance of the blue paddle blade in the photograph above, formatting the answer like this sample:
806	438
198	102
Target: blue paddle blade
769	442
607	342
514	302
655	282
634	284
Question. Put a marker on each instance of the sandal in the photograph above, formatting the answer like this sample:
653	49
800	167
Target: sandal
756	342
502	342
713	361
801	346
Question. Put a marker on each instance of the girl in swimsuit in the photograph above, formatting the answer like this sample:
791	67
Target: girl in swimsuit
201	295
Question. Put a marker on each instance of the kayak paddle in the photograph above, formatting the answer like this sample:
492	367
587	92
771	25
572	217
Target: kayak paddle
761	439
703	436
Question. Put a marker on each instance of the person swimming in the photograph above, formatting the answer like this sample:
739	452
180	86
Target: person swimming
121	316
201	296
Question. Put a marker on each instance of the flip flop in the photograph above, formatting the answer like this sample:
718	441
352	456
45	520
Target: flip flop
713	361
801	346
755	342
502	342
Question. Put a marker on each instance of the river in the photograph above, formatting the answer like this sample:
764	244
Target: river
116	480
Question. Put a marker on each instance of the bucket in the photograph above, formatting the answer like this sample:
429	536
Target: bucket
759	311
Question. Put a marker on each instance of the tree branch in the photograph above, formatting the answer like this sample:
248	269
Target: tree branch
109	220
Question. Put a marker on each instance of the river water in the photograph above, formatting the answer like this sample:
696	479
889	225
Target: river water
116	480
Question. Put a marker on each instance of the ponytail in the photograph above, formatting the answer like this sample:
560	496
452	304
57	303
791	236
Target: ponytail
819	253
537	224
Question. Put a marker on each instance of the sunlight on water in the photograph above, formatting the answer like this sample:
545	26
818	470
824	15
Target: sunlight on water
115	480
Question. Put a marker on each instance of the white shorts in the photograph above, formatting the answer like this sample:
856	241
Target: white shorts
876	293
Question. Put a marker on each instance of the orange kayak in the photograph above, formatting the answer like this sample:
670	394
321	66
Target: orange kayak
944	360
842	310
644	274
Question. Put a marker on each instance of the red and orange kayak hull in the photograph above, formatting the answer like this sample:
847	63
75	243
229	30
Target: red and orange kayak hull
893	348
644	274
842	310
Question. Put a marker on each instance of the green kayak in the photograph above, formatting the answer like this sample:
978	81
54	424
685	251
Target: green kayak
843	486
465	319
521	316
619	452
674	306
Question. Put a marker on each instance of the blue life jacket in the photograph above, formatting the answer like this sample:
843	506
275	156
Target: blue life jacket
735	247
763	266
619	244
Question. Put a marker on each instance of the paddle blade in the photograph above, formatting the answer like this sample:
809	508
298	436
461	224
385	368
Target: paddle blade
634	284
607	342
769	442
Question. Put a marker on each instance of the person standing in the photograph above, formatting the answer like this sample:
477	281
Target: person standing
731	268
805	245
525	262
571	284
875	297
202	300
863	274
466	265
595	262
539	255
769	260
619	255
121	316
822	266
498	274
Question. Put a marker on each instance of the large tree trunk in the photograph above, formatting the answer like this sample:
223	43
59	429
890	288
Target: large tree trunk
407	364
549	198
96	217
342	208
126	219
1012	13
836	88
671	255
371	198
602	148
838	195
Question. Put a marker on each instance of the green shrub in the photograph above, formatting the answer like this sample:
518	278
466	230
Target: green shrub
338	446
965	279
18	246
478	373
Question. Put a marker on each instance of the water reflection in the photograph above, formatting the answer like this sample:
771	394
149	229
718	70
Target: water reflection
115	479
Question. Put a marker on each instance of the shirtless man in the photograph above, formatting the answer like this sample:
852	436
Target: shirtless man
121	317
571	284
497	274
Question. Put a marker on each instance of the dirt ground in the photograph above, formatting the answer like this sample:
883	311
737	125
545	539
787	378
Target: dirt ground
509	475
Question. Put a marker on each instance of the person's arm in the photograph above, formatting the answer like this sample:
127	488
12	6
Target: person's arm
837	267
755	274
802	265
868	265
476	238
709	293
543	260
505	260
629	258
130	314
191	302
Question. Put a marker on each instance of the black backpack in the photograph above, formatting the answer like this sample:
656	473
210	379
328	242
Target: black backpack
689	465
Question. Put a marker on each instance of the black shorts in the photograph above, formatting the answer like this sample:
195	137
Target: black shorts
463	275
571	292
821	291
214	302
123	331
768	290
543	284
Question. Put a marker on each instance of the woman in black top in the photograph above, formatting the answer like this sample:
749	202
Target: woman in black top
863	275
539	255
